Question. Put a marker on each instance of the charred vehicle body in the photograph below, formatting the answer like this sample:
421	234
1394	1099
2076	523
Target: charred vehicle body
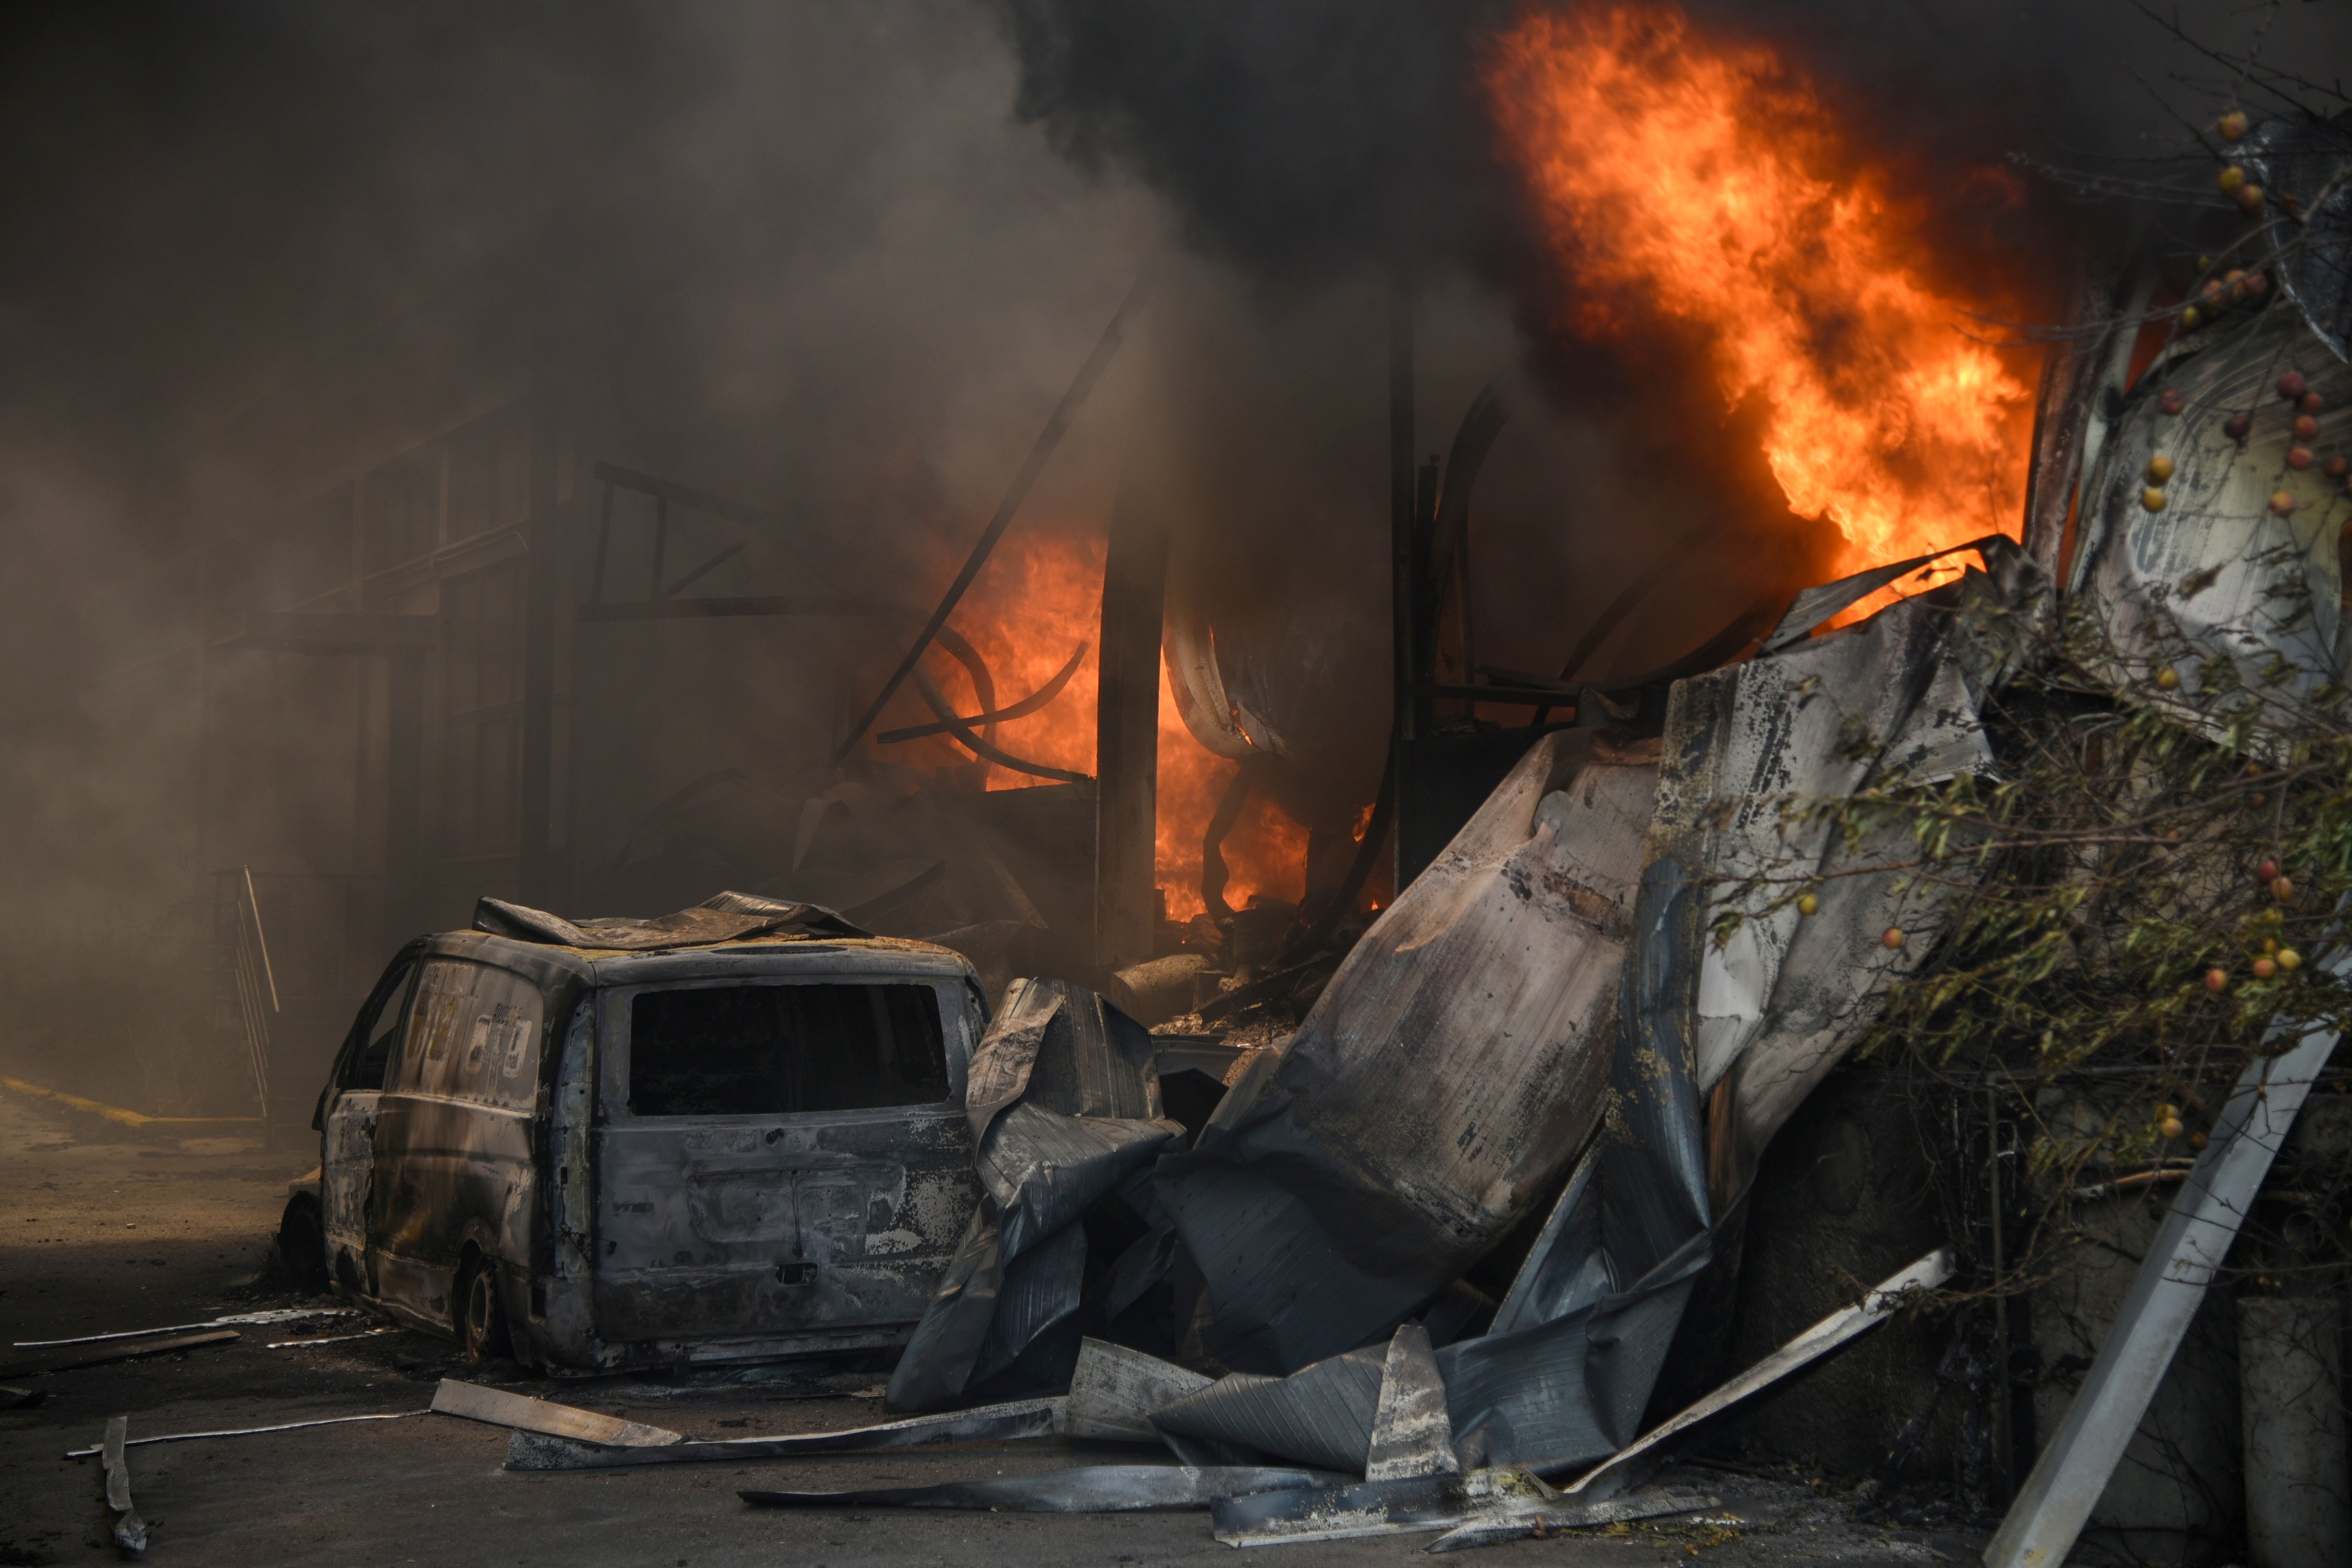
733	1133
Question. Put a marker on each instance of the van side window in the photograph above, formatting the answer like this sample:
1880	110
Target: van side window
378	1025
474	1034
745	1050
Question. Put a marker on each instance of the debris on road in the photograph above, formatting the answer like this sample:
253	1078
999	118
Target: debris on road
524	1413
130	1530
1088	1489
130	1350
274	1315
531	1450
247	1431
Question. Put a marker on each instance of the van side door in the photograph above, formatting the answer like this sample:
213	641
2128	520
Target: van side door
346	1119
453	1139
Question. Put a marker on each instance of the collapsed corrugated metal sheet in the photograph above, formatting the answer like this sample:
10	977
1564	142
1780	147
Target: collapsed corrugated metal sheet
1440	1084
1566	1369
2240	566
1065	1107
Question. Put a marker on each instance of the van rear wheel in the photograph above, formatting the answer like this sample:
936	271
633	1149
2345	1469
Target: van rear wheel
481	1316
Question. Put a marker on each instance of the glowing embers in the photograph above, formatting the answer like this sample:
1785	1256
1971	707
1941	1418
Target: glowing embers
1707	185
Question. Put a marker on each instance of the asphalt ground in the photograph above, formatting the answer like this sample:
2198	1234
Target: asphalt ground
102	1228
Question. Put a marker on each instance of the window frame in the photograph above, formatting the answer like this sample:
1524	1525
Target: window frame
616	1005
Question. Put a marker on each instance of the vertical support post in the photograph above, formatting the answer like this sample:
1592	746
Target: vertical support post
1402	587
1127	721
541	587
403	785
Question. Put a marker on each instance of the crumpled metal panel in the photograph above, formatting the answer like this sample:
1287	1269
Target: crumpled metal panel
727	916
1567	1369
2296	158
2219	573
1064	1104
1440	1084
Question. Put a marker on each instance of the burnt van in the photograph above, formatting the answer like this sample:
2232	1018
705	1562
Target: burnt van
732	1134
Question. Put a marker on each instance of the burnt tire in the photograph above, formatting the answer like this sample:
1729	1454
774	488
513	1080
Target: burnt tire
302	1245
481	1312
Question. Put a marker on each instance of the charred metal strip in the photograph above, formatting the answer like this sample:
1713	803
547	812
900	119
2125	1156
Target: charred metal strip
1450	528
1376	1508
1816	605
247	1431
130	1351
684	495
1494	1528
326	1340
981	747
1048	439
710	564
986	1423
1021	709
130	1530
1275	984
1359	870
1089	1488
1628	1469
2072	1474
1628	598
524	1413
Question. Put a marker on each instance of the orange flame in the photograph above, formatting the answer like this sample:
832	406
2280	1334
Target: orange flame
1038	598
1708	183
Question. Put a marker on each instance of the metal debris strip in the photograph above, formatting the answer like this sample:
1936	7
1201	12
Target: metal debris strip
1035	703
1634	1464
1494	1528
522	1412
1065	1108
327	1340
1443	1079
728	917
1115	1391
1048	439
527	1451
1412	1434
1087	1488
1496	1499
2073	1471
276	1315
131	1350
130	1530
247	1431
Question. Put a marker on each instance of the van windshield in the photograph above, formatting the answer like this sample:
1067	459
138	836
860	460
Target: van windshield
760	1050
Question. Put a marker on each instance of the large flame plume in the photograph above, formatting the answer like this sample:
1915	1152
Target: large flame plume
1708	184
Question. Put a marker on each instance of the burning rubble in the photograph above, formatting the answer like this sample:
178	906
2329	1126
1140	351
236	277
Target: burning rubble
1400	1169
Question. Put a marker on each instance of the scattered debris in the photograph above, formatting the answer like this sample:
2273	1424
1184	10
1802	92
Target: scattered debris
129	1351
326	1340
248	1431
529	1450
1498	1500
1089	1488
21	1398
274	1315
524	1413
1064	1104
130	1530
